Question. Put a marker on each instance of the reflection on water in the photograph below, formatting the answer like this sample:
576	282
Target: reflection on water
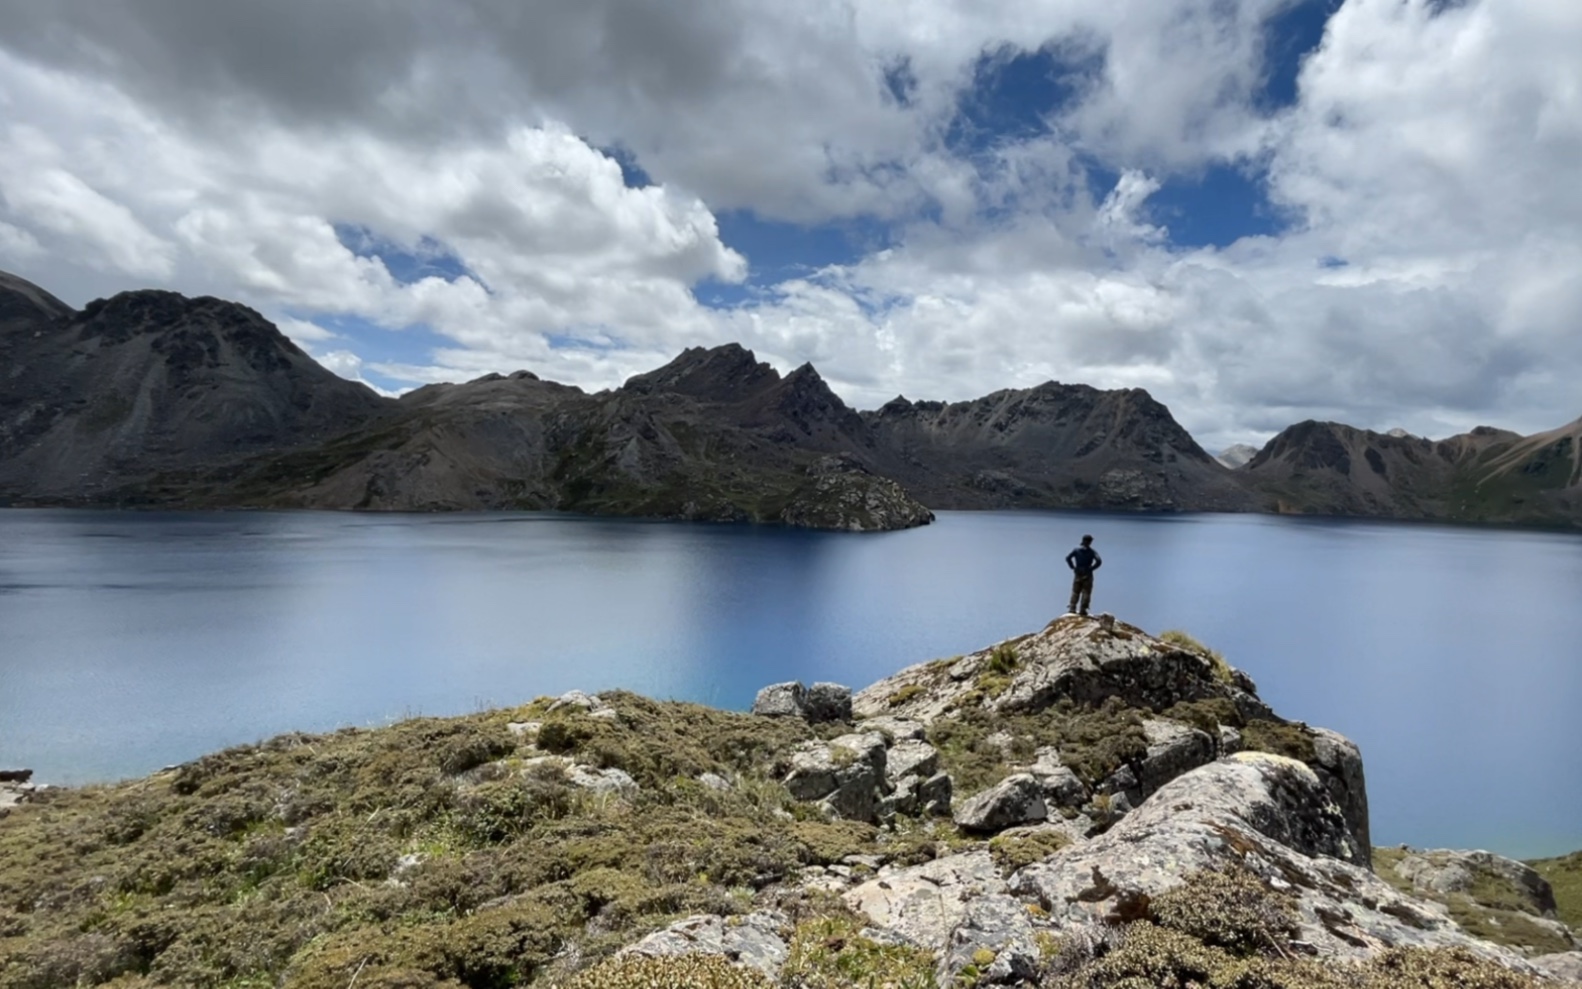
129	641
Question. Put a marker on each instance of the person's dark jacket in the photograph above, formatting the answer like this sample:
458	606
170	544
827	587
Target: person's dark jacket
1084	560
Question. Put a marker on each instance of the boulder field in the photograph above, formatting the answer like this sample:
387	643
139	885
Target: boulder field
1088	805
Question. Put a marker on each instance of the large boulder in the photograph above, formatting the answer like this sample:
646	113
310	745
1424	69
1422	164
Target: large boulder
1266	813
924	903
1338	762
1017	799
827	702
994	943
911	758
781	700
1565	967
845	775
915	796
1062	787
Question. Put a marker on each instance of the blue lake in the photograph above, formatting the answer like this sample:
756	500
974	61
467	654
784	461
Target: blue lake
129	641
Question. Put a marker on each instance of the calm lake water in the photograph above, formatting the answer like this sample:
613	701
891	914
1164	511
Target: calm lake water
132	641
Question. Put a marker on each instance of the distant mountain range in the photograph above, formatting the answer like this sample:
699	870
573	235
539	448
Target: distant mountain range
154	399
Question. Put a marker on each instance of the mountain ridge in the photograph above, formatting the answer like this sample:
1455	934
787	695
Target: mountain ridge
150	398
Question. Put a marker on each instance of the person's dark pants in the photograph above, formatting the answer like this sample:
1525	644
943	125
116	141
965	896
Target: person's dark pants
1081	587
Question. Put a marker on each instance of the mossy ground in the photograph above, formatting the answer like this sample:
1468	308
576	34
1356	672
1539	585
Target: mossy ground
430	854
283	862
1565	875
1492	909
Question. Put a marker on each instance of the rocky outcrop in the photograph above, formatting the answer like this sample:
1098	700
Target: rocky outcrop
1265	813
1564	966
1443	872
15	789
821	703
845	776
781	700
1077	659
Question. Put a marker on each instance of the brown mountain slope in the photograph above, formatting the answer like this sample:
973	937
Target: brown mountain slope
1487	475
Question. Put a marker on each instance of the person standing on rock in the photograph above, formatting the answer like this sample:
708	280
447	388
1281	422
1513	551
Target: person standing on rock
1083	561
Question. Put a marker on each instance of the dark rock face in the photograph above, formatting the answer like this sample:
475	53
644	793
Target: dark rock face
97	404
1050	446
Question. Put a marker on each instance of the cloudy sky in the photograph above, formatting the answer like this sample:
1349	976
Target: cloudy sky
1259	210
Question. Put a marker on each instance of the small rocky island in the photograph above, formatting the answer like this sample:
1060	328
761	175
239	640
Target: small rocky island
1084	806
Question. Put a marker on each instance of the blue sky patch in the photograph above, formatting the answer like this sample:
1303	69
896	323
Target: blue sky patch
377	344
1289	37
777	251
1215	209
1016	92
430	259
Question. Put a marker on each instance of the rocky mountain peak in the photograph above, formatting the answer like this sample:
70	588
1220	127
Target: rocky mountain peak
728	373
192	334
1238	455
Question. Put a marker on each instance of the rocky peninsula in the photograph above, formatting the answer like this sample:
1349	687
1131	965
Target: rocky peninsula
1087	805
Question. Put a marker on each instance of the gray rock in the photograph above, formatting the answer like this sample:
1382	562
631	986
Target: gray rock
1017	799
1230	741
525	729
576	698
888	938
1270	814
1062	786
754	939
894	729
924	903
916	797
13	795
714	782
934	795
827	702
995	924
911	758
781	700
1339	765
845	775
1442	871
603	782
1173	748
1563	967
